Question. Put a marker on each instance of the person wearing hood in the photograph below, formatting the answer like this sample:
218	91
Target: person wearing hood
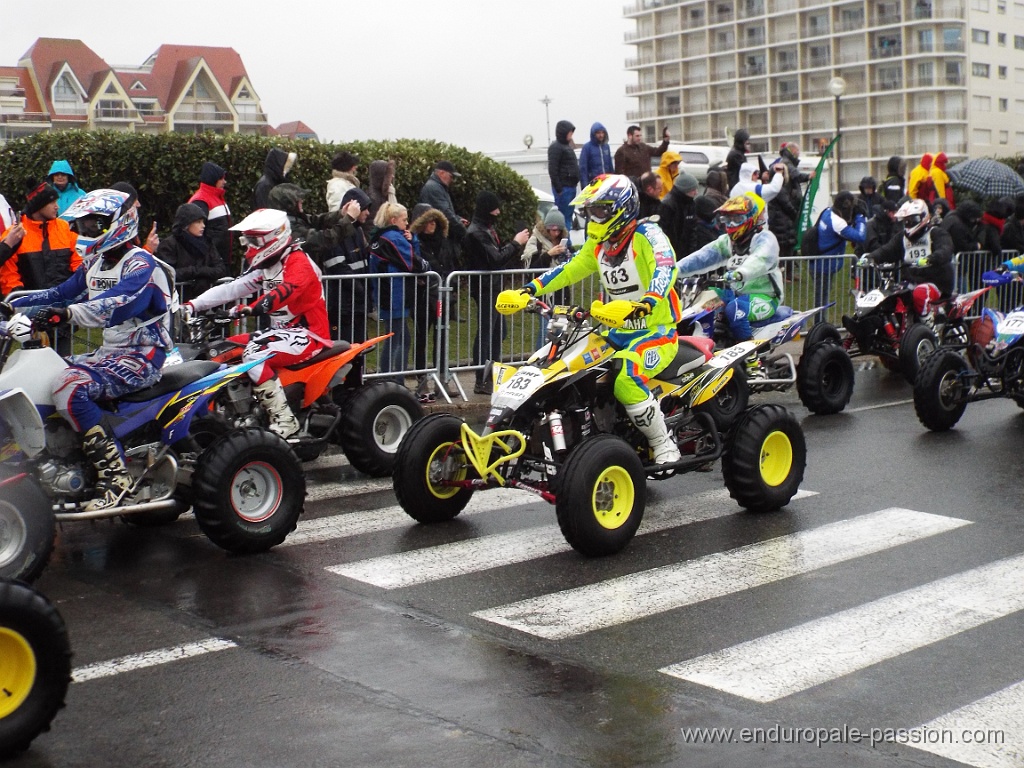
870	197
485	252
737	156
596	155
319	233
678	211
943	187
633	158
563	167
668	169
211	197
705	228
430	226
716	186
750	181
1012	238
343	178
275	170
381	185
919	174
63	180
197	263
895	182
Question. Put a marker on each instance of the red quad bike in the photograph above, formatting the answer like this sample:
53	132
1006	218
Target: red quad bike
884	324
35	666
328	394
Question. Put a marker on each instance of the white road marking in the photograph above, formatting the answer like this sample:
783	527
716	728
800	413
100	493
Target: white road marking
972	731
385	518
628	598
879	405
786	662
149	659
404	569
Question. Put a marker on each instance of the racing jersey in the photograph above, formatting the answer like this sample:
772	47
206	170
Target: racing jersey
758	267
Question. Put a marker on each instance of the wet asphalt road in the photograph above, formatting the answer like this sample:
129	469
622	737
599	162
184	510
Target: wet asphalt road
383	662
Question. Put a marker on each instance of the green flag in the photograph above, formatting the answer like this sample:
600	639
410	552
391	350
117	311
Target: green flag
812	191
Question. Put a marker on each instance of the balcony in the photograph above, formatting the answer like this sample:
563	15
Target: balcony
25	117
886	51
186	115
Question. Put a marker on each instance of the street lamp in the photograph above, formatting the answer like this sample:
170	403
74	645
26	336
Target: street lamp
837	87
547	114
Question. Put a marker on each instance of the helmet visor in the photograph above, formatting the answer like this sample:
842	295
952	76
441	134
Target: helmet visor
912	222
599	212
729	221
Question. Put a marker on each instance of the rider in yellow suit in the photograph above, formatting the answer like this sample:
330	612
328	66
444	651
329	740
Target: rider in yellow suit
638	272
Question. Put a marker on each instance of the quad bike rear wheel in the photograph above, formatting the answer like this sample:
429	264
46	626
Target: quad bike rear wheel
765	457
824	378
249	491
432	452
939	393
27	527
820	332
35	666
377	418
728	404
602	493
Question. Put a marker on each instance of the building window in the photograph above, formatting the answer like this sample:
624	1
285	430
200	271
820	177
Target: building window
981	103
1002	73
953	73
1018	75
1004	105
1019	138
979	36
1000	6
981	136
819	56
926	73
923	9
1018	106
1001	38
1004	137
889	78
66	99
1018	10
979	70
887	45
952	39
979	5
110	108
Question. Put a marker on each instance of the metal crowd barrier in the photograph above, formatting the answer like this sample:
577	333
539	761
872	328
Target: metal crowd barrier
437	324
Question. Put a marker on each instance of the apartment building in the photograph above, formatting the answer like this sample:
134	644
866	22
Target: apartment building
920	75
59	84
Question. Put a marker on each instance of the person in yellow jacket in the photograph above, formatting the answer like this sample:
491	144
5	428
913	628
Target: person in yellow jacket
943	188
638	272
668	169
917	175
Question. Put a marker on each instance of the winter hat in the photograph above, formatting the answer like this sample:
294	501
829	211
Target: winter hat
486	202
186	214
211	173
418	210
40	197
358	195
553	218
285	197
344	161
685	182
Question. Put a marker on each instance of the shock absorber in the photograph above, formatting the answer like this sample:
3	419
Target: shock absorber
557	431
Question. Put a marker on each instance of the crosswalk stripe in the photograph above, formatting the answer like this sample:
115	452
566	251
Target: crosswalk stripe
149	659
977	734
575	611
340	489
405	569
786	662
386	518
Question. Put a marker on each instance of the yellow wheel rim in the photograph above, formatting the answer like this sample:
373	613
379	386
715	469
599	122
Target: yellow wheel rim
17	671
441	466
613	498
776	458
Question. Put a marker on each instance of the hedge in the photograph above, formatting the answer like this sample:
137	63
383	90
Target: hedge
164	168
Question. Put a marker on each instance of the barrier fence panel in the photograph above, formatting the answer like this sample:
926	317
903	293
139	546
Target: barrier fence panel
808	278
971	265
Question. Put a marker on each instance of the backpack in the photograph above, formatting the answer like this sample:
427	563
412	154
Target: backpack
809	240
926	190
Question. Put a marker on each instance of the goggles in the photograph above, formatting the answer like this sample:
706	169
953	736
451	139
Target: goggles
260	239
599	212
731	220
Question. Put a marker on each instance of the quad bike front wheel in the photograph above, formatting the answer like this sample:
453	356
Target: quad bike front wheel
377	418
824	378
765	457
940	393
432	452
35	666
248	491
27	527
602	493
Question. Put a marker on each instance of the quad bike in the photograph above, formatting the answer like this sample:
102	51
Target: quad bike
35	666
884	324
994	367
327	393
246	487
824	376
555	429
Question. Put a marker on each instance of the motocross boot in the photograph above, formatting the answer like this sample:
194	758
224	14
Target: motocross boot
271	397
112	477
648	418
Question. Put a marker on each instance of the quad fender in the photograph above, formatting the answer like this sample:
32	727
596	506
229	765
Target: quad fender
34	371
22	420
963	303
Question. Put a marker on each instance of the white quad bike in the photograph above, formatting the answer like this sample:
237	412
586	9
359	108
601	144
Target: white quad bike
246	487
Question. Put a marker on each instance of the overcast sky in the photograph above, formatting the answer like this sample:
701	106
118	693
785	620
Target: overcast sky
469	72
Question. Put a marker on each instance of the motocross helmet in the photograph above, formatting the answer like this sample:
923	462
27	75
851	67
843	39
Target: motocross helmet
266	233
914	217
103	219
740	217
610	204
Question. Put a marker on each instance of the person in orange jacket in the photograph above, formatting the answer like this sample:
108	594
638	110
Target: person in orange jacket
917	175
943	187
38	252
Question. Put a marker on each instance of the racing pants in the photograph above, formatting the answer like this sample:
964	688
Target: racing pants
741	310
644	354
286	346
104	374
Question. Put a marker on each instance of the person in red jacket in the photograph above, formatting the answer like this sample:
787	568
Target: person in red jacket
211	198
292	295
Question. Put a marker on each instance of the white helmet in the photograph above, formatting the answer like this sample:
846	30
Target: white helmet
266	233
914	216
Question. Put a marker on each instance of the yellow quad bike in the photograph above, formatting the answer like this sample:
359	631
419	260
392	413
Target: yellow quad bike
555	429
35	665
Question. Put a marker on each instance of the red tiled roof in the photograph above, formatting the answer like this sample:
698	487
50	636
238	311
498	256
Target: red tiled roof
174	65
49	54
295	128
32	104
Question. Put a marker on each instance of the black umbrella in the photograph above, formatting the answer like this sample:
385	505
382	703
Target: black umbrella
987	177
